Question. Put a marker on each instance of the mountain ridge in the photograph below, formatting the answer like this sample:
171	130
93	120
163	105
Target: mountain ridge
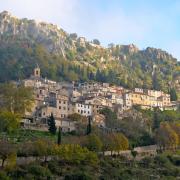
125	65
5	15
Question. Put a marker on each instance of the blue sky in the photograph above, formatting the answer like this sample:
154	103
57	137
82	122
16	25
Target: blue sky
154	23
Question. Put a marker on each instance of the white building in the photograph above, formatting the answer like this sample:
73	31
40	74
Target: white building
127	100
83	109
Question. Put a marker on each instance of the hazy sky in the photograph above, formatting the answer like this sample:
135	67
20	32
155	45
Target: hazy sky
154	23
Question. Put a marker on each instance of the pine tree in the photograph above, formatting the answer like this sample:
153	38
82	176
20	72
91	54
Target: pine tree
89	126
156	121
173	94
59	136
52	124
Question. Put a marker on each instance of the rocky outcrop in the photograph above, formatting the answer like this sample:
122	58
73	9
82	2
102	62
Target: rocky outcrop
157	54
50	36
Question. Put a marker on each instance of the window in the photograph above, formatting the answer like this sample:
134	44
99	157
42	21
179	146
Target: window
64	102
59	107
59	102
64	108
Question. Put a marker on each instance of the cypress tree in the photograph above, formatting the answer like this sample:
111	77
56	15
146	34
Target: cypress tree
59	136
52	125
89	126
156	121
173	94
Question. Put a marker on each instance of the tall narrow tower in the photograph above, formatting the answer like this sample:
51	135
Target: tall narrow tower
37	71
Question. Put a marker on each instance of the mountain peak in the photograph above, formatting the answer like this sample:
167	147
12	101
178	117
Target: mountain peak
5	13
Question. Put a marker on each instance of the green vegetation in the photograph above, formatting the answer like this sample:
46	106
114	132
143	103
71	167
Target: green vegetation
173	94
96	41
15	100
80	155
89	128
142	127
94	143
168	135
52	124
78	163
59	141
63	56
84	64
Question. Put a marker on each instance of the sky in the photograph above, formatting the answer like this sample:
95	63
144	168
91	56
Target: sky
153	23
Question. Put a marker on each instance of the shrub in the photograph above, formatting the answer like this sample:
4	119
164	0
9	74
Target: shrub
174	159
78	176
39	171
163	161
147	161
54	167
3	176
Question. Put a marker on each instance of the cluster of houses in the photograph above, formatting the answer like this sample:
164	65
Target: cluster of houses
87	99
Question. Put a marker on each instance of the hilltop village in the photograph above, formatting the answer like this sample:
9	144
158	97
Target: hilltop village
87	99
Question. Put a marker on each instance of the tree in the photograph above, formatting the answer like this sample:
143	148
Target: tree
43	147
156	120
121	142
156	81
75	117
173	94
108	143
110	117
116	142
96	41
166	137
71	153
94	143
59	136
81	49
176	127
146	139
52	125
81	123
7	150
89	126
9	121
16	99
74	35
134	154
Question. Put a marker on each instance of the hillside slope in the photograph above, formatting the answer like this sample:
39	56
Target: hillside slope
63	56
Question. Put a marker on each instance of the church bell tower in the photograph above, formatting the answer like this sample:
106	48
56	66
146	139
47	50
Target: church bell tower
37	71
